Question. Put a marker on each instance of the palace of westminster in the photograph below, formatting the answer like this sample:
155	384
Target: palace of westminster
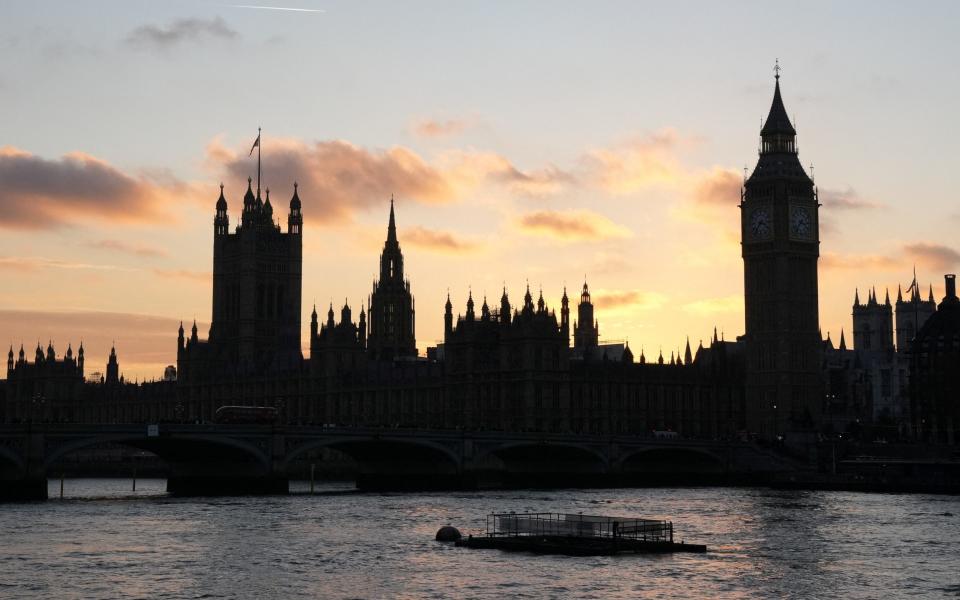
511	366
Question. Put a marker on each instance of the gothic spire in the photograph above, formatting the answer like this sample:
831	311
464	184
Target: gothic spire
221	201
295	200
930	299
843	341
856	297
687	356
392	227
899	293
777	123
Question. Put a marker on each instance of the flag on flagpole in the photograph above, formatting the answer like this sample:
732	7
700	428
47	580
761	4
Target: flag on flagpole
256	143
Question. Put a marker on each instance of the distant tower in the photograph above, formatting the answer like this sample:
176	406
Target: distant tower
781	246
565	315
912	313
221	222
295	218
256	287
447	319
391	304
362	328
586	332
872	323
113	367
504	307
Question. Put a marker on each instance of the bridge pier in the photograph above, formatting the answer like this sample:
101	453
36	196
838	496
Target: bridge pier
24	489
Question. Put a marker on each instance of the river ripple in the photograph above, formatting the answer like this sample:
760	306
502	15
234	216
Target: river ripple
103	541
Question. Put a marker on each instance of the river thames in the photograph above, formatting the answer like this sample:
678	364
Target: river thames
104	541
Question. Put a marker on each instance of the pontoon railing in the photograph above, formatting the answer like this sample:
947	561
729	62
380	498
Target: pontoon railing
577	525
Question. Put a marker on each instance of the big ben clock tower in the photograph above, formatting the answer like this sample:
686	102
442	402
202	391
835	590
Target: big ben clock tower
780	243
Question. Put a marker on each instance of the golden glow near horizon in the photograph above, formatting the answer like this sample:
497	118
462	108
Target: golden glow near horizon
542	160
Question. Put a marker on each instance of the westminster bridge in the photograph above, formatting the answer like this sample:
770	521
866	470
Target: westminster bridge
217	459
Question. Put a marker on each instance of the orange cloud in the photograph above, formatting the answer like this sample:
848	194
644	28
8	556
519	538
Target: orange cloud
637	164
41	194
633	299
720	187
336	177
34	263
439	241
471	169
571	225
127	248
196	276
831	260
432	128
935	256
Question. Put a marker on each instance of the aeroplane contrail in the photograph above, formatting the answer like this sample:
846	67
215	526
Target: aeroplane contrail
311	10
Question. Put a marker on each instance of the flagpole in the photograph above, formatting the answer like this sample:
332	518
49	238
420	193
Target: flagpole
259	145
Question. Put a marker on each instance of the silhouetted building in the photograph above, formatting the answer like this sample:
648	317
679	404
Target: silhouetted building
586	329
255	325
391	310
337	347
912	314
780	245
935	372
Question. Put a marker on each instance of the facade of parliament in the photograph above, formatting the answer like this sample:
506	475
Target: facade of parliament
517	365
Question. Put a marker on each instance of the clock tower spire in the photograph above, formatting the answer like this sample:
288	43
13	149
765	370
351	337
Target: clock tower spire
780	246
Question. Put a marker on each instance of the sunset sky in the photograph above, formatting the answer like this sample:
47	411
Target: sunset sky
523	141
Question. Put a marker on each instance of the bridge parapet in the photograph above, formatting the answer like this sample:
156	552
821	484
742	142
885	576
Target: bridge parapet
235	459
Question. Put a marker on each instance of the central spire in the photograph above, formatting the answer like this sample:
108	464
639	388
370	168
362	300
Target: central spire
392	227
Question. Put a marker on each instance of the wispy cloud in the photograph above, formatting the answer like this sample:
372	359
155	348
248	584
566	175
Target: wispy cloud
285	8
639	163
846	199
439	241
34	263
711	306
934	256
194	276
632	299
436	128
720	187
574	225
127	248
338	178
180	31
832	260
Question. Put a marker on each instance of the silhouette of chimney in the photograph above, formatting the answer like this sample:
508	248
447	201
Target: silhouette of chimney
950	282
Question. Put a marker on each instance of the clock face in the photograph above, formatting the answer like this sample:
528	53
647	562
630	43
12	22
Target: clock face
760	224
801	224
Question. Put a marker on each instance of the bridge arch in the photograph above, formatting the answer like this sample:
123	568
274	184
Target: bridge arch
169	448
11	458
370	448
564	456
671	460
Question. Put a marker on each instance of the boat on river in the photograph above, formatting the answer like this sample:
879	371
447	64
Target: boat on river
577	535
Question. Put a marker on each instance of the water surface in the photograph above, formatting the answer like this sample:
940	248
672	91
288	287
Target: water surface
104	541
